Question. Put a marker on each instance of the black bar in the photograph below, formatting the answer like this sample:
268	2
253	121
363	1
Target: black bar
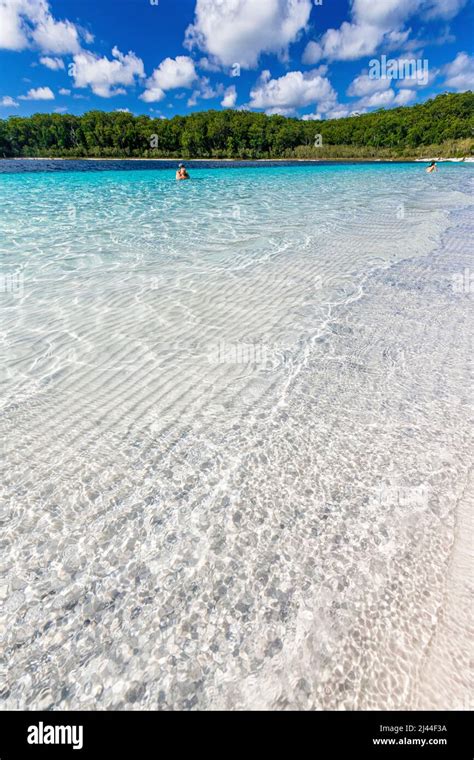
159	734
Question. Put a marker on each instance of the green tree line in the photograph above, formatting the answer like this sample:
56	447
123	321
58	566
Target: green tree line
445	120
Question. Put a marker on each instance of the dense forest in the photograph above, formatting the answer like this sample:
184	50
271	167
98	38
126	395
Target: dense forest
446	122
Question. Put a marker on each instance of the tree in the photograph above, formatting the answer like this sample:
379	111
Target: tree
239	134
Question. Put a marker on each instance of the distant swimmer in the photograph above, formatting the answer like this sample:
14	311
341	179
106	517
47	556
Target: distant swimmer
182	172
432	167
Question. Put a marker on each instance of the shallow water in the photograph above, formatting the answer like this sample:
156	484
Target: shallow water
236	424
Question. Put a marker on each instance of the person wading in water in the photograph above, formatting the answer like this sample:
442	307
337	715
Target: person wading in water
182	172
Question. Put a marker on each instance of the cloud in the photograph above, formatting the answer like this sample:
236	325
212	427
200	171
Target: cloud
376	100
38	93
398	40
205	91
415	46
312	53
103	75
383	73
9	102
56	36
386	97
152	95
311	117
64	91
30	23
459	74
351	41
280	111
60	109
392	14
377	92
238	31
206	65
444	9
230	97
384	14
293	90
421	78
374	23
13	31
86	35
171	74
404	97
52	63
364	85
341	112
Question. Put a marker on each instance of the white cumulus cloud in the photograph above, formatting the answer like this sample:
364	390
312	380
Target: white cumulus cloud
351	41
404	97
52	63
312	53
30	23
152	95
206	91
293	90
104	75
13	30
230	97
38	93
171	74
340	112
238	31
364	85
376	93
385	14
374	22
7	100
311	117
376	100
386	98
459	74
56	36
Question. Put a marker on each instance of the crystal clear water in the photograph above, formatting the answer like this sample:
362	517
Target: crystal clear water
235	416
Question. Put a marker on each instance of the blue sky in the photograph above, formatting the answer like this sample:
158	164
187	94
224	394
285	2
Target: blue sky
308	58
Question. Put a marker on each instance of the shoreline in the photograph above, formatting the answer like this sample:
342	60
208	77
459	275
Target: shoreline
465	159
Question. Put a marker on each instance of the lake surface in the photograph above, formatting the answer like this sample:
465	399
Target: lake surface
236	429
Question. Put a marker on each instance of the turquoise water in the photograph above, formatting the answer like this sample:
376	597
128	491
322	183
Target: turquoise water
236	441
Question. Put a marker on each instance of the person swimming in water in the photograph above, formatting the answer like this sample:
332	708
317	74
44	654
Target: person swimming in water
182	172
432	167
